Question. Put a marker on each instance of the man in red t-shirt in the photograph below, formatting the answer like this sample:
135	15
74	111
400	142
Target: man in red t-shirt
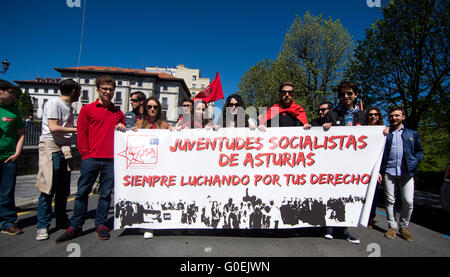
96	124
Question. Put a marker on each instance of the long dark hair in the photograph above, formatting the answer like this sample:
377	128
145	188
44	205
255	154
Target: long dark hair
380	116
222	121
146	119
203	121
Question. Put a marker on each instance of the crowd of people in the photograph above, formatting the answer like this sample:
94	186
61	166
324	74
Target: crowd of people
97	122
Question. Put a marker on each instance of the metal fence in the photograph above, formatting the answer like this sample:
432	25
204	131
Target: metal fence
33	132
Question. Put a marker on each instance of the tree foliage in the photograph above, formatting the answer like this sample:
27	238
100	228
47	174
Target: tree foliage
403	60
314	55
23	102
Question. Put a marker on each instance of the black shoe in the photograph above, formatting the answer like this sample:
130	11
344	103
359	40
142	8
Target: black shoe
69	233
349	238
103	233
12	230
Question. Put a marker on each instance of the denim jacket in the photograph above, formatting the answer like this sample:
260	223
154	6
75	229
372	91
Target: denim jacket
412	150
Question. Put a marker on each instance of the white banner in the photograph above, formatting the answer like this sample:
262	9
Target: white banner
243	179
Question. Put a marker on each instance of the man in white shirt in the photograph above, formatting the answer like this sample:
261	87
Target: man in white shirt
54	157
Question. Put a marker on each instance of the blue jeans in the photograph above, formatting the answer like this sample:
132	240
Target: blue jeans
89	170
60	189
8	213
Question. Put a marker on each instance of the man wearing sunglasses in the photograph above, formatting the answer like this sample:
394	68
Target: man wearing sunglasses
347	113
285	113
323	110
137	99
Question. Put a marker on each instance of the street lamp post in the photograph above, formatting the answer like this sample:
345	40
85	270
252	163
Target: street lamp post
5	65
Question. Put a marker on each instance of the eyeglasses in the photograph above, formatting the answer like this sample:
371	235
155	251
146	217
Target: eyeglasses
152	107
106	89
348	93
135	100
290	92
373	114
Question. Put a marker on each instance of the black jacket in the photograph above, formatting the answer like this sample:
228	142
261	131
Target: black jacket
337	117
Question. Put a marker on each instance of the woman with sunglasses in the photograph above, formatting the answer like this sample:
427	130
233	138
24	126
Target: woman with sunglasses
373	117
152	119
233	114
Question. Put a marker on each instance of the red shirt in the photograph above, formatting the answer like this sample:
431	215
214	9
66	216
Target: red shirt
95	130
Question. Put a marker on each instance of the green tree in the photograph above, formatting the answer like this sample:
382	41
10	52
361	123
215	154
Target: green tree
323	49
23	102
314	55
403	60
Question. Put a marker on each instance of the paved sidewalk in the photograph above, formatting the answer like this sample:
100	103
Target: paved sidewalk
27	194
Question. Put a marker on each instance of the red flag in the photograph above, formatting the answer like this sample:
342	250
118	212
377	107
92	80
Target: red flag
212	92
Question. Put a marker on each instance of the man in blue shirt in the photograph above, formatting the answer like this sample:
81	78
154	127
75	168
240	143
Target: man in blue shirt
402	154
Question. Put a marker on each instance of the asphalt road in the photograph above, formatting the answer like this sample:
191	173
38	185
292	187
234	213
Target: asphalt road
429	227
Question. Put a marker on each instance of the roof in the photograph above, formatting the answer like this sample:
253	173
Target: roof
124	71
40	81
116	70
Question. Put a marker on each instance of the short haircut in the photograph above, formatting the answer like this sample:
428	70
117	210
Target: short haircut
330	105
284	84
348	84
396	108
188	100
5	85
105	80
68	85
140	95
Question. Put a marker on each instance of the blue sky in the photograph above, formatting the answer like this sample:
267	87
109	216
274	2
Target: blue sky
215	36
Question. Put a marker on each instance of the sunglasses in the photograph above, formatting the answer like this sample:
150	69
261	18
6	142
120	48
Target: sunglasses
322	110
290	92
135	100
233	105
187	106
343	94
373	114
152	107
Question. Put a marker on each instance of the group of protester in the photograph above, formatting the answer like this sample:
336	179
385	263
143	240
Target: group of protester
97	122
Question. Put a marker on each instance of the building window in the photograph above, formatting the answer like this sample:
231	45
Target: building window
194	85
140	84
55	91
203	85
194	78
118	97
45	90
165	88
85	96
45	101
164	103
164	115
36	90
119	83
86	81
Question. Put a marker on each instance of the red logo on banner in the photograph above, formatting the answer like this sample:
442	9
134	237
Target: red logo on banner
141	151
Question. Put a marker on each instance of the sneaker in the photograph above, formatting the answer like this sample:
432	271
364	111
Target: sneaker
42	234
69	234
103	233
12	230
328	236
391	233
148	235
350	238
404	232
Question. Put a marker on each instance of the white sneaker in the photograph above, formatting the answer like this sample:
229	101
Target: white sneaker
148	235
42	234
328	236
